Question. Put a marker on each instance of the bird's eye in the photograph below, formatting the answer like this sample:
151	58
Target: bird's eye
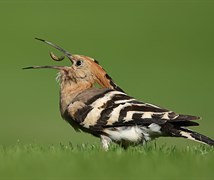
79	63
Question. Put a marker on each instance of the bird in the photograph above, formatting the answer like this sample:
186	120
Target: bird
107	112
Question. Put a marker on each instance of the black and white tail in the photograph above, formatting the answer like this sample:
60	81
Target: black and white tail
192	135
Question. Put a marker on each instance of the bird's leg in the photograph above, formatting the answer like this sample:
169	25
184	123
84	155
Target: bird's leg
105	140
124	145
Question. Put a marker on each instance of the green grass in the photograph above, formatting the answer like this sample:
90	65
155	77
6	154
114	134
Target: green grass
91	162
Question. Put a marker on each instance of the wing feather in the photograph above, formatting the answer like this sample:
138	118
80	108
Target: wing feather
139	113
110	108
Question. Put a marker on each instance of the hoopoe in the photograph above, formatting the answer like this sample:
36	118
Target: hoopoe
108	112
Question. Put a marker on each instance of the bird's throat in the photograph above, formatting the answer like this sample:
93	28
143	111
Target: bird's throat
68	91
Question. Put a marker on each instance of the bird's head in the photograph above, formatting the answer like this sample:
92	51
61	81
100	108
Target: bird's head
83	69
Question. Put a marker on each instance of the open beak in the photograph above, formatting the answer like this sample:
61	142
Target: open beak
54	57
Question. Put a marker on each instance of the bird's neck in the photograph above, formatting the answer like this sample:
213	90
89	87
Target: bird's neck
69	90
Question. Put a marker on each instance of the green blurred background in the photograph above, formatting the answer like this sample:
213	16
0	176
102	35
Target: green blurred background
160	52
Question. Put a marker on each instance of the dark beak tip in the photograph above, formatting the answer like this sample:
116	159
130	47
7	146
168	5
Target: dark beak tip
39	39
27	68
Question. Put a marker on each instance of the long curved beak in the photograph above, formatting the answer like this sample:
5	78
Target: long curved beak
68	54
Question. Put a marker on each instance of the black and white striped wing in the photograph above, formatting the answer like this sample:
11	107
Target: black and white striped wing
111	108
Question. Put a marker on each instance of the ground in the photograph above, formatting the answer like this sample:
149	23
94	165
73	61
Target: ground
91	162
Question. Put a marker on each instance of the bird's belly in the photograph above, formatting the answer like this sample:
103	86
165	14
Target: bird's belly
133	134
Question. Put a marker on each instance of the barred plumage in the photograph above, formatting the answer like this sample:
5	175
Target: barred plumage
108	112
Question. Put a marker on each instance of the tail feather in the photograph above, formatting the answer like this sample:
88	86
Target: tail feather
192	135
